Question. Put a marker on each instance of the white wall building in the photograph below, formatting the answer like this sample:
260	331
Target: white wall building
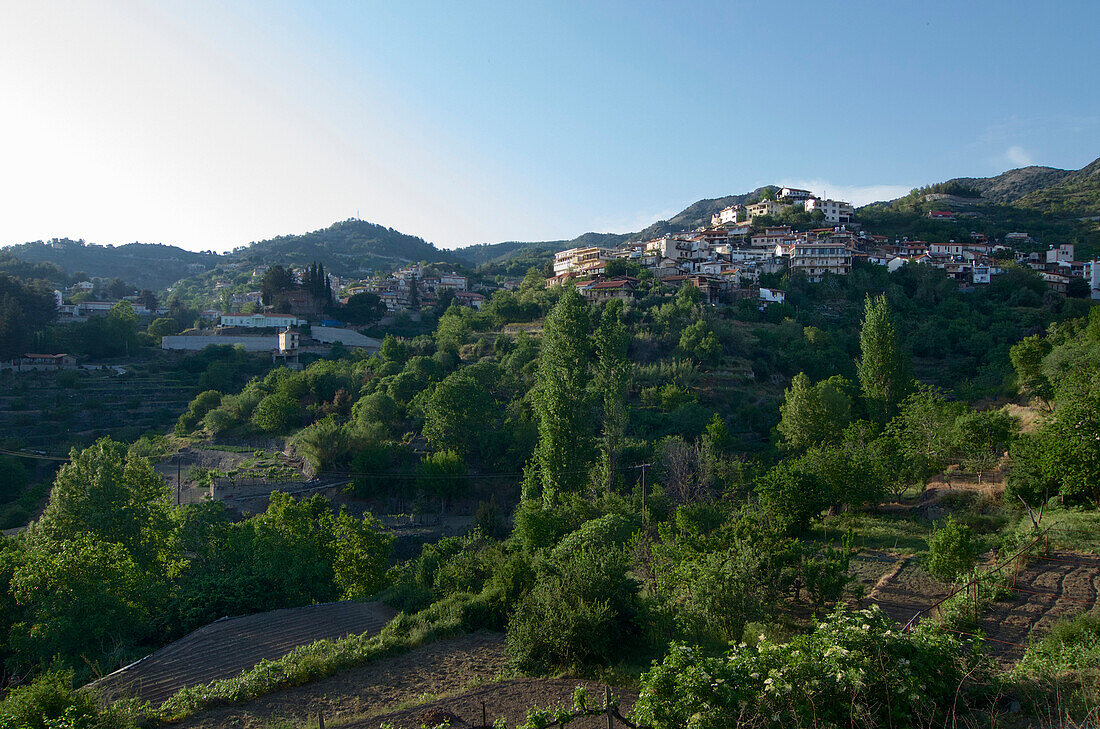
835	211
577	258
261	321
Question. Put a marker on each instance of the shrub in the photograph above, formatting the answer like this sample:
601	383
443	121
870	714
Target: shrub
50	702
581	612
855	669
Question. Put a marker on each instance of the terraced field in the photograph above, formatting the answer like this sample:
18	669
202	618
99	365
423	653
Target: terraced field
227	647
1054	587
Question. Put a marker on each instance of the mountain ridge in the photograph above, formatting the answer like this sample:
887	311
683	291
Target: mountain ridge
354	246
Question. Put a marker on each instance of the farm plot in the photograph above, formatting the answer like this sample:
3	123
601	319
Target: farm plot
229	646
1051	588
905	590
509	700
414	679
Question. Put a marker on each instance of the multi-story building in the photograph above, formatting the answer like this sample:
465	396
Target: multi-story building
261	321
765	207
817	258
577	258
726	215
771	237
835	211
794	195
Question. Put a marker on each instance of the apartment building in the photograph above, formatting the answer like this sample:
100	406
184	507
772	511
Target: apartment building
817	258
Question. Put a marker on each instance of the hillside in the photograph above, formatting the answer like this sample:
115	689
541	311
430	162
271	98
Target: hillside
693	216
1077	195
1046	188
345	247
145	265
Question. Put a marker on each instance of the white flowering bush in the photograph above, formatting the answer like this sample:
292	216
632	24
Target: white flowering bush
857	668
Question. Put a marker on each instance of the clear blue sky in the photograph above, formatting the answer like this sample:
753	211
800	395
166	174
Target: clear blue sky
212	124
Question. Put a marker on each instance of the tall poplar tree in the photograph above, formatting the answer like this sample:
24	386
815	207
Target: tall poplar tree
609	383
561	399
883	373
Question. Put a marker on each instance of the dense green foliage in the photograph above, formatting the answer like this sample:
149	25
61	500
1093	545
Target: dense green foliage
854	669
112	567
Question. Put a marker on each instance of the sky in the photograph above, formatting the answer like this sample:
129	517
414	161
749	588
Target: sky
212	124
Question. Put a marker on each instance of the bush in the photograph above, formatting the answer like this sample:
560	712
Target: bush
855	669
582	611
50	702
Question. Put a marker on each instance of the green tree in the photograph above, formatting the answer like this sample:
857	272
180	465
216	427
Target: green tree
1027	359
561	401
952	552
1073	456
441	475
274	283
982	438
699	341
460	415
883	372
111	497
793	496
276	414
812	414
162	327
122	323
924	430
609	383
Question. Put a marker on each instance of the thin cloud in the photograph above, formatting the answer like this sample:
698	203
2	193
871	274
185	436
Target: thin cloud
1018	156
855	194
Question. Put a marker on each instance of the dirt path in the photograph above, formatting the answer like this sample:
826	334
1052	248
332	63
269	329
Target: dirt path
443	668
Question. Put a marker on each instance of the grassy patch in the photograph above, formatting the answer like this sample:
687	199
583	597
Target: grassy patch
1070	528
871	530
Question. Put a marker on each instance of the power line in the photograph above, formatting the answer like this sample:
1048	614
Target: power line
35	456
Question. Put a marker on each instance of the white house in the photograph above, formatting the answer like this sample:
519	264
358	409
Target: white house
261	321
726	215
793	194
772	296
835	211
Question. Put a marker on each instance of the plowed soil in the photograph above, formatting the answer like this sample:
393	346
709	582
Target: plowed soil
509	700
421	675
228	647
1049	589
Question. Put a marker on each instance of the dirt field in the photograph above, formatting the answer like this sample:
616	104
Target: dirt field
904	591
508	699
421	675
1056	587
227	647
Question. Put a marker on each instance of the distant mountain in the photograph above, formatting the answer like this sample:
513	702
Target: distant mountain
693	216
1028	182
1076	195
145	265
345	248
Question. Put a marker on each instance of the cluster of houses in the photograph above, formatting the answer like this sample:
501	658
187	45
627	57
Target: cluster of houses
73	307
410	288
835	212
726	260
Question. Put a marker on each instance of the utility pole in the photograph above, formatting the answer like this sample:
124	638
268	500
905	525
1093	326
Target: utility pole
179	483
645	516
